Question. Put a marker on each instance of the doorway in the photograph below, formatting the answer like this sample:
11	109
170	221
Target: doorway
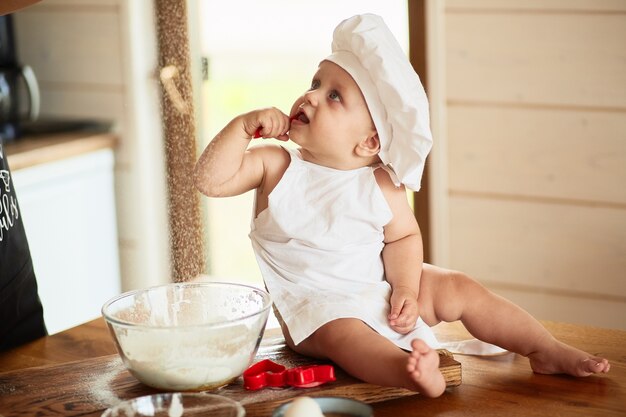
259	54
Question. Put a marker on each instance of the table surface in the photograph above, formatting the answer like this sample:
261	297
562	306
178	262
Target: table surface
502	385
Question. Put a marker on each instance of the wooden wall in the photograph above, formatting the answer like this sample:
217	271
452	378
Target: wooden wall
528	172
97	59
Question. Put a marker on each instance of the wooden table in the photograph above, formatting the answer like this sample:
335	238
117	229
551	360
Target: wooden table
497	386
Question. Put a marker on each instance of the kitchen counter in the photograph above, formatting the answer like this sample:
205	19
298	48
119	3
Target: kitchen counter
34	150
496	386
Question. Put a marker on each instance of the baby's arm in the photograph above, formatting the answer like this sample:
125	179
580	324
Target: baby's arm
227	167
402	256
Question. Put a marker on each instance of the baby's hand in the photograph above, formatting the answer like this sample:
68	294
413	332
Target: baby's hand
268	123
404	309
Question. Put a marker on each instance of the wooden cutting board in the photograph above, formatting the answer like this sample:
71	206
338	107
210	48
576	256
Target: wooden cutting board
89	387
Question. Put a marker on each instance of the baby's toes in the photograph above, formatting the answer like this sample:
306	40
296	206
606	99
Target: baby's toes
411	365
420	346
592	366
602	365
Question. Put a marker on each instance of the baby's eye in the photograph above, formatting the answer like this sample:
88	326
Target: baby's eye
334	95
314	84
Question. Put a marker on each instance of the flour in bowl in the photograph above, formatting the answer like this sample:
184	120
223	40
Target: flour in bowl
188	360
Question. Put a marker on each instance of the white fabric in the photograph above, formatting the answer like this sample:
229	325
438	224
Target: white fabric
365	47
473	347
318	246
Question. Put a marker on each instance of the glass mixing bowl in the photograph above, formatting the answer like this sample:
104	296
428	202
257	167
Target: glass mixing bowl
188	336
177	405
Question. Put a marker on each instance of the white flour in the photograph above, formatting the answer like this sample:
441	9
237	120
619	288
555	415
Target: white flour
188	360
189	338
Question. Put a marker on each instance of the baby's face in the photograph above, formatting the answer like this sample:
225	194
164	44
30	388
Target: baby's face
331	118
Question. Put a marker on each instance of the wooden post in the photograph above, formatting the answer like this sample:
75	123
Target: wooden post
180	139
417	54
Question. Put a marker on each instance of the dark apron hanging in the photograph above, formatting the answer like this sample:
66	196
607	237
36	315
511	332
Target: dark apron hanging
21	312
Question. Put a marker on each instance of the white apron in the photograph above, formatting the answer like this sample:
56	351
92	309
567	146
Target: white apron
319	244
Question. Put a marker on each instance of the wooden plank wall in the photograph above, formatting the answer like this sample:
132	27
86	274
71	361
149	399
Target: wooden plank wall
90	64
530	116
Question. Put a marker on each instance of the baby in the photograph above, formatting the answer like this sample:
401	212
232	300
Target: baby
335	238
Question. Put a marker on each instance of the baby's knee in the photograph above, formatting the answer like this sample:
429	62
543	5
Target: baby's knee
455	291
462	284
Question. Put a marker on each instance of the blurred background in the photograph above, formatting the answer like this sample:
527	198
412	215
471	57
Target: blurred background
525	188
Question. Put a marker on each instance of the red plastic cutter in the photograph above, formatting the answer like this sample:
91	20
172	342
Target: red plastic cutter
257	133
266	374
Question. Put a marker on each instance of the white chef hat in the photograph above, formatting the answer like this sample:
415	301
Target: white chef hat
365	47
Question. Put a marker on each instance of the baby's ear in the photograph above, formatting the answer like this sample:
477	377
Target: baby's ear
369	146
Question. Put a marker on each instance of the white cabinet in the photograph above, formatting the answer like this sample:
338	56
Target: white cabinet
68	211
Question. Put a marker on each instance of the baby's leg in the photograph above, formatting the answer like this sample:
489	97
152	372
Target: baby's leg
449	296
367	355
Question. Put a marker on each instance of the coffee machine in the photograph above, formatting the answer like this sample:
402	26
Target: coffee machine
19	91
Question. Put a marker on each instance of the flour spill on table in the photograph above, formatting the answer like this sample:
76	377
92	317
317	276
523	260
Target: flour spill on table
99	385
7	389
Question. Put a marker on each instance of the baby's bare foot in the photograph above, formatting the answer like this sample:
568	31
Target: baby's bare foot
423	369
565	359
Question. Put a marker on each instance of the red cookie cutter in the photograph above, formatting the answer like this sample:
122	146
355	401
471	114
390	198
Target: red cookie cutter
257	133
270	374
